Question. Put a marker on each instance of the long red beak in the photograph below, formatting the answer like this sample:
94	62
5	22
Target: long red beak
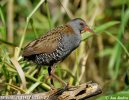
86	28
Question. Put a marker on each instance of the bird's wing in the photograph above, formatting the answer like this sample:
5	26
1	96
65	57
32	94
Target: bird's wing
47	43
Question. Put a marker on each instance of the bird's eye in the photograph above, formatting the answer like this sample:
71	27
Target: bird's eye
81	24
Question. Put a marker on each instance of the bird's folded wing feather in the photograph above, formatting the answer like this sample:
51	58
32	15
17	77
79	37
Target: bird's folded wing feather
47	43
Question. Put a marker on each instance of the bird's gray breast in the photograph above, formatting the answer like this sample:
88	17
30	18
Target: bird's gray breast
68	43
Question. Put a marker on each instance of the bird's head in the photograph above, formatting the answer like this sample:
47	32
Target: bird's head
80	24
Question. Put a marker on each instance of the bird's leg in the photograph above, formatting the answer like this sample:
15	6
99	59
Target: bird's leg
56	77
51	80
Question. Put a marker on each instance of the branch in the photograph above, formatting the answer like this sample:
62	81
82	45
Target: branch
82	91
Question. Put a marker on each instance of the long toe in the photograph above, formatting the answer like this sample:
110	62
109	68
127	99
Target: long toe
53	88
66	85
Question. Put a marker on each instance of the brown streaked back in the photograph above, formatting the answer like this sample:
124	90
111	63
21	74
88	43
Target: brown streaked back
47	43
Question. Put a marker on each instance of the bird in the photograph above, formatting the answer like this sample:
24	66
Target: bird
53	47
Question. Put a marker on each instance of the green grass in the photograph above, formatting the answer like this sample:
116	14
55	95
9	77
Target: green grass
106	53
2	28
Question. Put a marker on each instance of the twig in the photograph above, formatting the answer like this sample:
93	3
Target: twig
80	92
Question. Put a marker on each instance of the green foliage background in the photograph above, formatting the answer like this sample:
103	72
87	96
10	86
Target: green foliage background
103	58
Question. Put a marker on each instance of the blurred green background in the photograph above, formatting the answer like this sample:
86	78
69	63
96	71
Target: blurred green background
103	58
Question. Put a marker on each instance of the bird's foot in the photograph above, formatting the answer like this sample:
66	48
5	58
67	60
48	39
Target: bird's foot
53	88
66	85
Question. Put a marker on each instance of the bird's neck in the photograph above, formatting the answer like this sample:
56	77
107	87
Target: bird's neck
74	28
